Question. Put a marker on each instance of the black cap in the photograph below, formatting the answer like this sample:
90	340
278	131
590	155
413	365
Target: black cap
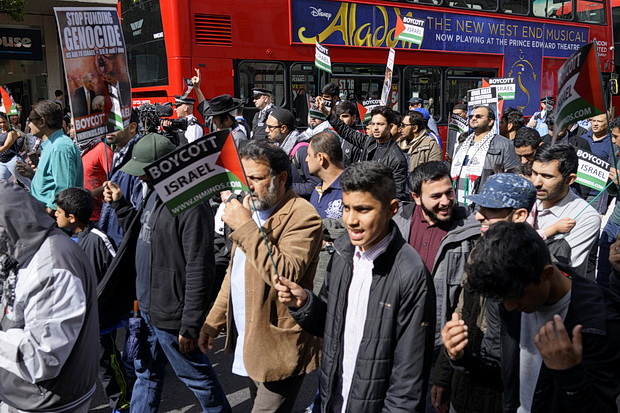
257	91
415	101
178	100
285	117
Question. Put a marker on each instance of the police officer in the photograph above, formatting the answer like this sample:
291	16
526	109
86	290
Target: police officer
262	100
185	108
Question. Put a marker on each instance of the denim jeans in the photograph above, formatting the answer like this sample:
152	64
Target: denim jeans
608	237
193	369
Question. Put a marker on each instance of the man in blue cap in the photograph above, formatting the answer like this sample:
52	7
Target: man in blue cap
416	103
505	197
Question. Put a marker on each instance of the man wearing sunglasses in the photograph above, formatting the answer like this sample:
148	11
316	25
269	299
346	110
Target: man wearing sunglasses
416	142
482	152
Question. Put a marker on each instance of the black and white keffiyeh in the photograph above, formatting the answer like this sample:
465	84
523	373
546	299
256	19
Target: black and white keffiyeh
8	280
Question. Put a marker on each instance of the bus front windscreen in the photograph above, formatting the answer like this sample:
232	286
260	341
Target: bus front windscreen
146	44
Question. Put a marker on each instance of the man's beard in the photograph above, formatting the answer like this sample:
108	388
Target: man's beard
270	198
433	216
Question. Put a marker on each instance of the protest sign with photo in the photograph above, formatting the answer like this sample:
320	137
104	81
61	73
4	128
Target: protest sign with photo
195	172
485	96
580	92
93	51
593	171
387	81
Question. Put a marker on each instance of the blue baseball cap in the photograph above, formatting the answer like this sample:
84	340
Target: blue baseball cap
505	191
424	113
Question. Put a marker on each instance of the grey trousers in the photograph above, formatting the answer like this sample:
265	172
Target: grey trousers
274	396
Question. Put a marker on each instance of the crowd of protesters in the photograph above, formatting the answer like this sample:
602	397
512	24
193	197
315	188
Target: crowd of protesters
481	278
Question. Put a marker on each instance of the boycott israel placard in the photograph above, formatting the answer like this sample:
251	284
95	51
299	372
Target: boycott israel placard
196	171
368	106
458	124
484	96
506	87
593	171
321	57
580	93
313	111
93	51
410	29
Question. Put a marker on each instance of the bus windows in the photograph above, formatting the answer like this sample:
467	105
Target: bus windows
591	11
304	83
554	9
433	2
459	81
266	75
425	83
362	82
146	45
516	7
482	5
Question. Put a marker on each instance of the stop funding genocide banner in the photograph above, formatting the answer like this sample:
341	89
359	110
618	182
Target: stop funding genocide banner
93	51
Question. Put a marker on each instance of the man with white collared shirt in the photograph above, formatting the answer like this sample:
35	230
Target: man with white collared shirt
376	310
553	171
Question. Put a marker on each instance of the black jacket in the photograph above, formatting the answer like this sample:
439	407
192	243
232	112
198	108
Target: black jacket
182	266
471	392
393	157
393	363
591	386
259	130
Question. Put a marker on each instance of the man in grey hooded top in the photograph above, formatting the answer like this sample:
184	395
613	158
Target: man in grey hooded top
48	312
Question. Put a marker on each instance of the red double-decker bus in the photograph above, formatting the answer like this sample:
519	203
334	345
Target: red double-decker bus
242	44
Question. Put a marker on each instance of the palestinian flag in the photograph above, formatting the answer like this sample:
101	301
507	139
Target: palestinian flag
580	90
7	100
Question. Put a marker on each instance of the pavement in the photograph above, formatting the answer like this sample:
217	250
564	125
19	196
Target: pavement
176	398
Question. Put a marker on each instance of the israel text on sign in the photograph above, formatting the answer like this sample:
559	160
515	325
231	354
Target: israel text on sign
593	171
195	172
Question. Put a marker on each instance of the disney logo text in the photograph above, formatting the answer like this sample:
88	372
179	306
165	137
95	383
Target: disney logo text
320	13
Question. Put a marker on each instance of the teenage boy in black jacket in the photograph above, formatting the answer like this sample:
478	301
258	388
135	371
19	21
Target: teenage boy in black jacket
376	308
